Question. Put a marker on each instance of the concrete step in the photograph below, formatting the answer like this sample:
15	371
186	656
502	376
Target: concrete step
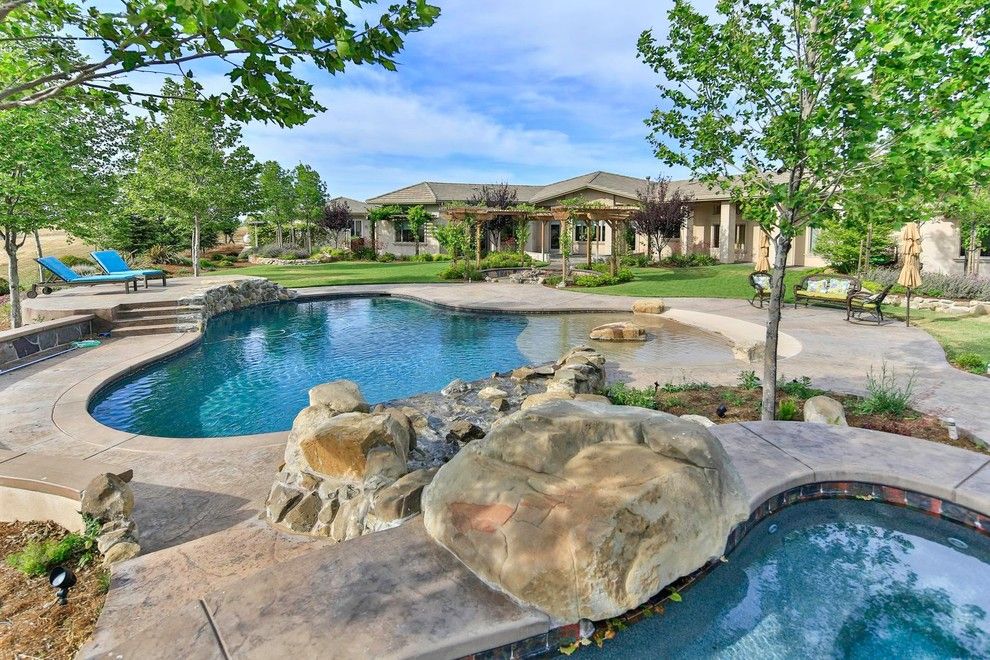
146	303
144	312
145	320
146	329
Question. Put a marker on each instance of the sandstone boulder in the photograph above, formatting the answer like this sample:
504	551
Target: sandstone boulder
824	410
492	393
585	510
581	355
649	306
619	331
340	395
534	400
402	498
751	351
699	419
464	431
338	447
107	497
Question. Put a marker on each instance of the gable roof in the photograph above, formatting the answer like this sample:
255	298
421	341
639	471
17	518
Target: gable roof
355	206
436	192
606	182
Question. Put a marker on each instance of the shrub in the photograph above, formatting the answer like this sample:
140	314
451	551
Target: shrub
86	269
329	254
638	260
71	260
801	389
688	260
624	275
4	287
162	254
38	557
886	396
273	251
386	257
506	260
686	386
936	285
787	411
552	280
622	395
971	362
748	380
462	270
245	253
423	256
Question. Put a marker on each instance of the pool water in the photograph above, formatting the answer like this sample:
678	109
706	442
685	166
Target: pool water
831	579
253	368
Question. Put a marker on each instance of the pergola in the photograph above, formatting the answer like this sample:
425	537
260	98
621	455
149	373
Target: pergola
614	216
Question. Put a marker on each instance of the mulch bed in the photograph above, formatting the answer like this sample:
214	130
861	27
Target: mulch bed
743	405
32	623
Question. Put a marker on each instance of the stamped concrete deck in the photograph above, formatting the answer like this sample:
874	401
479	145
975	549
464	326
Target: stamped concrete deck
198	500
396	594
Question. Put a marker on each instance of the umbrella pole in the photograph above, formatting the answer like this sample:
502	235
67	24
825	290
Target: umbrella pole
908	317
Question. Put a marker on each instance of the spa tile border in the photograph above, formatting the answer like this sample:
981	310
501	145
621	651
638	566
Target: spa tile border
548	644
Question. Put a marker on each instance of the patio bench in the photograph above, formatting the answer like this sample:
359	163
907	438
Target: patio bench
45	487
826	289
863	302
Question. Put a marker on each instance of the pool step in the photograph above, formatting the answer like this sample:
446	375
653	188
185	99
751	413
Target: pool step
145	329
125	313
150	318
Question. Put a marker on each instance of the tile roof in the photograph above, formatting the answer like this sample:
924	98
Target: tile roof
355	205
435	192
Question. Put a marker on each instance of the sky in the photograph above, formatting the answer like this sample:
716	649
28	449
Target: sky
523	91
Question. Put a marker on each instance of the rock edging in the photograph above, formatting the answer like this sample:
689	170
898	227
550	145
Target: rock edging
204	304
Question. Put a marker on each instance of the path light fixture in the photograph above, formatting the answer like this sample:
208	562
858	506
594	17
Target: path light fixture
62	579
721	410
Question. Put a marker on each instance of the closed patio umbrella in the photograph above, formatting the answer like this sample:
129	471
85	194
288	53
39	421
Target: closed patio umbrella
910	277
763	258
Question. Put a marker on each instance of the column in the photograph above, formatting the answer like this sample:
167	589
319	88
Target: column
727	233
687	233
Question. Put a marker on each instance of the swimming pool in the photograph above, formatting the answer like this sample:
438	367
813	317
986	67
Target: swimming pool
253	368
831	579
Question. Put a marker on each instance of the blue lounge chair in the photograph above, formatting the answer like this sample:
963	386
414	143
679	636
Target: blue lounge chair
113	264
58	275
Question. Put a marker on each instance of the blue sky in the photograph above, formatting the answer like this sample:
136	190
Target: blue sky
520	91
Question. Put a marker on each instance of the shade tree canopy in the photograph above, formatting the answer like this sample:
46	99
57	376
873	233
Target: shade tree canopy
661	214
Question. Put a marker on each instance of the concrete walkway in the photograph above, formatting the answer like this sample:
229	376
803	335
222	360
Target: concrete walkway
396	594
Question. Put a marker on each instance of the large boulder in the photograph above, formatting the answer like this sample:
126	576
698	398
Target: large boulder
339	446
586	510
340	395
619	331
824	410
649	306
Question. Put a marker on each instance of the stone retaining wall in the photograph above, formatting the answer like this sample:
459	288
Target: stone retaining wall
39	339
943	305
204	304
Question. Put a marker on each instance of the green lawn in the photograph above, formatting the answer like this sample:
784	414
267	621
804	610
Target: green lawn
346	272
724	281
958	335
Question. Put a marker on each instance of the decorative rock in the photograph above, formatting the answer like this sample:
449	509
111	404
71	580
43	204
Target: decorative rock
107	497
113	533
456	386
824	410
280	499
121	551
651	306
595	398
383	465
464	431
534	400
699	419
500	405
492	393
749	351
585	510
522	373
619	331
341	396
339	446
402	499
302	516
578	379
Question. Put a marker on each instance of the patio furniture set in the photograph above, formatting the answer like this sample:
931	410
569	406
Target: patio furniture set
116	271
827	289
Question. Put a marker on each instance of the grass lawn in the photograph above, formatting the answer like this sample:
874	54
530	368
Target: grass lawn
346	272
723	281
958	335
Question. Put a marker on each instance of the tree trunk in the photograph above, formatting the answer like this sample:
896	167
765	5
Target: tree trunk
782	245
477	244
309	238
649	247
195	246
13	278
37	245
416	242
278	235
973	253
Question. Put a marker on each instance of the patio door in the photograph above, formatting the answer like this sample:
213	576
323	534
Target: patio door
554	236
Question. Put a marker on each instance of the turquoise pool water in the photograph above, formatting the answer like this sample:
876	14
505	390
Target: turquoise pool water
251	372
831	579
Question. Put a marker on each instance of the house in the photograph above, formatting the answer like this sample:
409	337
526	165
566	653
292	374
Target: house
716	227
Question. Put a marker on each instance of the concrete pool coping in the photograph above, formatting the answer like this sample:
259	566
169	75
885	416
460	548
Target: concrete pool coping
70	411
397	594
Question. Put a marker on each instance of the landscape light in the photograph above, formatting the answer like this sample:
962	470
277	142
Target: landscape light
721	410
62	579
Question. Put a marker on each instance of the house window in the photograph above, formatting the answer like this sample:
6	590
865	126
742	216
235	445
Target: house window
404	234
356	229
581	233
740	234
716	235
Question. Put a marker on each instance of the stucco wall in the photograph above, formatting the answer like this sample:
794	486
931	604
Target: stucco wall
940	242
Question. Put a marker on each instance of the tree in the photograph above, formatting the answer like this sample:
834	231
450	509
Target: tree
416	219
497	196
57	169
190	170
661	214
276	197
263	45
336	219
311	199
454	237
780	102
379	214
972	210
